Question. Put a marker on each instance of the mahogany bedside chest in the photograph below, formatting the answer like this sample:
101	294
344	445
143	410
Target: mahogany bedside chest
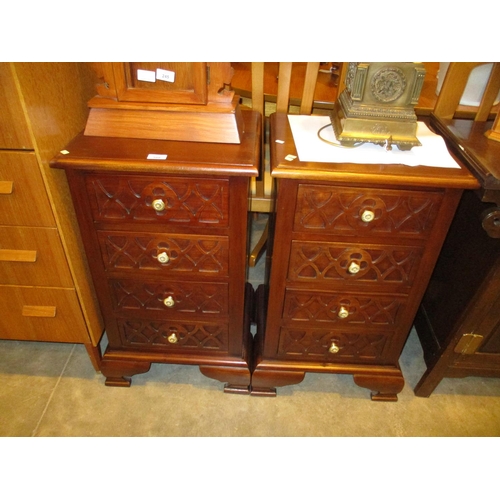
164	225
351	251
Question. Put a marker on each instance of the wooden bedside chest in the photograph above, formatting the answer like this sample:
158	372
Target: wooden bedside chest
166	238
351	252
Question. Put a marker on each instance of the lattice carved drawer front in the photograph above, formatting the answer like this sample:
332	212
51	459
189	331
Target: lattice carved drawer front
335	262
193	202
365	212
165	253
332	345
170	300
174	335
342	309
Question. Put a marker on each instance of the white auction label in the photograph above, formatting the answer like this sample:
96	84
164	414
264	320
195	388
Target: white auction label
165	75
144	75
152	156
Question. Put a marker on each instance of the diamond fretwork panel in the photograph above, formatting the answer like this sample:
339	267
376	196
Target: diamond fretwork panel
183	254
323	261
311	343
359	309
186	201
340	211
145	333
190	298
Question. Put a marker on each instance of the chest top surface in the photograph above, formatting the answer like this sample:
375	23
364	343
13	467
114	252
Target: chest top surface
166	157
282	145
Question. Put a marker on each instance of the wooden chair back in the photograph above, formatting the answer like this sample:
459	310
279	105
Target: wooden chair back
454	85
261	192
262	187
452	90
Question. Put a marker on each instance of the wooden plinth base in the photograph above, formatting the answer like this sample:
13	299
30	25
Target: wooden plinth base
217	123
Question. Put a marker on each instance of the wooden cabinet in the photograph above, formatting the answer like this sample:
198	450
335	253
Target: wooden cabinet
352	250
166	236
181	101
458	322
44	280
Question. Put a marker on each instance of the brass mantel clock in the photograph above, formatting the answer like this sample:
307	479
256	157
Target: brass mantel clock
377	104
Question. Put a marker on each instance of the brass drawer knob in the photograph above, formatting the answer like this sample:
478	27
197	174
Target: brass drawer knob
169	301
163	257
158	205
367	216
172	338
354	268
334	348
343	312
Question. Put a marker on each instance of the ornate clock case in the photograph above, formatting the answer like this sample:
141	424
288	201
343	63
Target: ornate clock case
377	104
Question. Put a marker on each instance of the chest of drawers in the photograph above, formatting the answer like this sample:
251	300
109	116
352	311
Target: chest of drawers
45	290
352	250
167	241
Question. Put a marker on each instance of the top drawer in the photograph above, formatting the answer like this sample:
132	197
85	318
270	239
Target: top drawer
23	199
176	200
14	133
366	211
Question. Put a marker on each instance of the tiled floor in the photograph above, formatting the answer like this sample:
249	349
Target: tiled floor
52	390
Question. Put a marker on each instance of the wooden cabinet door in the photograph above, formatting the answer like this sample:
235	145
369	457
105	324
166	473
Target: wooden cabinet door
169	82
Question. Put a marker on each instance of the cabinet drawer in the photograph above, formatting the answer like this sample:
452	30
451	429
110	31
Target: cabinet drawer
23	199
178	201
175	336
342	309
14	131
165	253
33	256
333	345
44	314
336	262
167	300
364	212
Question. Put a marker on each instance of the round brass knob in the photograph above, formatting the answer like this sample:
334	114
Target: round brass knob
334	348
169	301
343	313
354	268
163	257
367	216
172	338
158	205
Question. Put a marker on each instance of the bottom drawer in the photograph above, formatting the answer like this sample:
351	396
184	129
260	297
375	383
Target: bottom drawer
174	335
39	313
333	346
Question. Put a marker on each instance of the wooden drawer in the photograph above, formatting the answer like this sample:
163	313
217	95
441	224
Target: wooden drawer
39	313
23	199
366	211
324	308
14	131
178	201
171	254
174	336
333	345
170	299
33	256
325	262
